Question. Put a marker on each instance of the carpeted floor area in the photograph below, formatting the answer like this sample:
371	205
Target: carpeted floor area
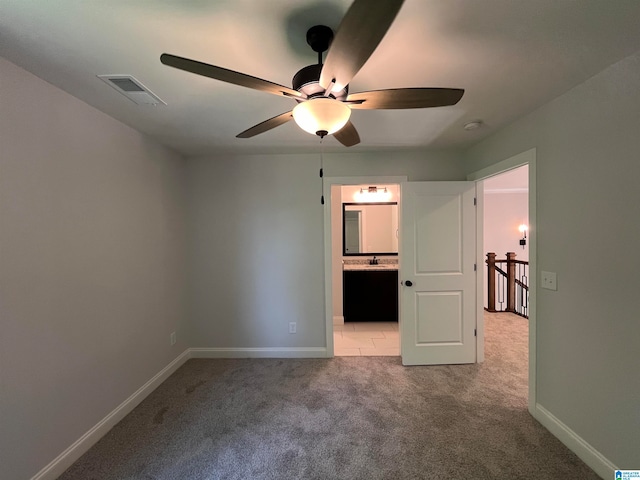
343	418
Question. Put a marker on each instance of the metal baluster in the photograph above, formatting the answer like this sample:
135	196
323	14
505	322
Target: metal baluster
501	292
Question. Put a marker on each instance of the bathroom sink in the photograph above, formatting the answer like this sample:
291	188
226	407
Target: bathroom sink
366	266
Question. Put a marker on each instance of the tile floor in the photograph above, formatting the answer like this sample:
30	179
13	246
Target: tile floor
366	339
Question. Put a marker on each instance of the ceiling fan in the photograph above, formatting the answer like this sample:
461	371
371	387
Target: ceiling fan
322	90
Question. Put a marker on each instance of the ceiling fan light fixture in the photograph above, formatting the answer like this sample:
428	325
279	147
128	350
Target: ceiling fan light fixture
322	89
321	116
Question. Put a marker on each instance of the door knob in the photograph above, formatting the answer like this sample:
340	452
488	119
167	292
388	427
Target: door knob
408	283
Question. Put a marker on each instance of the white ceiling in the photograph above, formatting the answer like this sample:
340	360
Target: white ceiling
510	56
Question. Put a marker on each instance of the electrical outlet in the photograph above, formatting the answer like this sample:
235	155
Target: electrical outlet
292	327
549	280
172	338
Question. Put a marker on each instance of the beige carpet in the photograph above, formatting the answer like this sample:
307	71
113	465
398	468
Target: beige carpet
343	418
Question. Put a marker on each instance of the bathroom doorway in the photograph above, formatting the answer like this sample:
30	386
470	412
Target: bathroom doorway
361	261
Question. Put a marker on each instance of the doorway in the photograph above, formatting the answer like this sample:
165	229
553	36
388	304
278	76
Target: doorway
360	338
437	260
506	223
490	179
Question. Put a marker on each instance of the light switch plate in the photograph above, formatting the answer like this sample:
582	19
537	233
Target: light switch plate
549	280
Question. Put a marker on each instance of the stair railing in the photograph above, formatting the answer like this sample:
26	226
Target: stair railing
507	282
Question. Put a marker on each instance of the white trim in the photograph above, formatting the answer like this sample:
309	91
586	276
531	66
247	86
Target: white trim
508	164
338	319
78	448
479	272
491	191
328	267
592	457
533	279
587	453
260	352
525	158
63	461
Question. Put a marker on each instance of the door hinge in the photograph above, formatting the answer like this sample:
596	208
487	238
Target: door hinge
475	267
475	201
475	332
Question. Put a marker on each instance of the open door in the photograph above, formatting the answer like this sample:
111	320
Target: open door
438	292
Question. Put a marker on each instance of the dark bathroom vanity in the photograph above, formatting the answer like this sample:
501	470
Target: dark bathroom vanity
370	294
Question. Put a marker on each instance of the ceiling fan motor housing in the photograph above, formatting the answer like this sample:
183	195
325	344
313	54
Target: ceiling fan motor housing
307	82
326	110
319	38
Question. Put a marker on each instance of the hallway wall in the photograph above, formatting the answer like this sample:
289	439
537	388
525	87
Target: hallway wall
587	146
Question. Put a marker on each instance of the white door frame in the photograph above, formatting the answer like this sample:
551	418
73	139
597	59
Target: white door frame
328	270
525	158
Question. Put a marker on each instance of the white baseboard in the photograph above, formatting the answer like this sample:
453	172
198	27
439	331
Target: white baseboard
63	461
589	455
84	443
338	320
277	352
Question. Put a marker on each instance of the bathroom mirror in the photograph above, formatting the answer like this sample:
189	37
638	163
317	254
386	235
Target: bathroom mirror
370	228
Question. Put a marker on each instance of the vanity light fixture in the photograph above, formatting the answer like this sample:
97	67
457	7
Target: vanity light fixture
523	230
373	194
321	115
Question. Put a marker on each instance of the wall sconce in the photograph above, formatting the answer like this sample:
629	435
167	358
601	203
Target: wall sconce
372	194
523	230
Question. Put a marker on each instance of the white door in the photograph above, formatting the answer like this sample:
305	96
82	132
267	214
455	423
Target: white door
437	296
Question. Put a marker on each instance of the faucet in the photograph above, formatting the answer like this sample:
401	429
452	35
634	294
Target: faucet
373	261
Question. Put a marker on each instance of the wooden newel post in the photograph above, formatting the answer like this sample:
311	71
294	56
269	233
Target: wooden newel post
491	282
511	282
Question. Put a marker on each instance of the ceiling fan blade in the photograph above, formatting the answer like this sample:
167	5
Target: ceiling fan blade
358	35
400	98
348	135
229	76
266	125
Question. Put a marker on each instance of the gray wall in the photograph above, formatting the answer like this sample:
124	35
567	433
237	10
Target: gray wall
256	255
92	275
94	221
588	333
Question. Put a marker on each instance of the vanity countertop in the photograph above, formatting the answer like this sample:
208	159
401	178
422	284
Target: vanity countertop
366	267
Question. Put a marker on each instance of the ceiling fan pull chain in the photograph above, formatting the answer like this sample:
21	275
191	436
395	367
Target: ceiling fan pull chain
322	171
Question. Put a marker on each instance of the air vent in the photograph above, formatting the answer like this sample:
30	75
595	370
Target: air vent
132	88
126	84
